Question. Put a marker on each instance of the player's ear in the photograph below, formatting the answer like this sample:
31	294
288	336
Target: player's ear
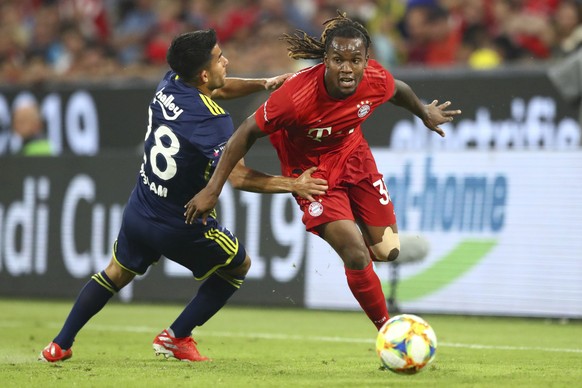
204	77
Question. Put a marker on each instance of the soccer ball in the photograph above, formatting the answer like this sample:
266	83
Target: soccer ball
406	344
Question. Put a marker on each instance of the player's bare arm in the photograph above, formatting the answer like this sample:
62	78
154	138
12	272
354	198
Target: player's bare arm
432	115
240	87
247	179
236	148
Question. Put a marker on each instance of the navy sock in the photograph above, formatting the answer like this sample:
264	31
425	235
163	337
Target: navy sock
212	296
90	301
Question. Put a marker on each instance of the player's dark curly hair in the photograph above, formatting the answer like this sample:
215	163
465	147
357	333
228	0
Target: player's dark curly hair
303	46
190	52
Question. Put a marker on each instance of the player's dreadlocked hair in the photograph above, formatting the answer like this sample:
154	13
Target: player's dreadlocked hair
303	46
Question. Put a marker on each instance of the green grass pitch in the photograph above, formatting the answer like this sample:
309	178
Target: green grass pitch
253	347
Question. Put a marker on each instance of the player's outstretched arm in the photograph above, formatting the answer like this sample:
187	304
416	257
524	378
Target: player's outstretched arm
240	87
432	115
247	179
236	147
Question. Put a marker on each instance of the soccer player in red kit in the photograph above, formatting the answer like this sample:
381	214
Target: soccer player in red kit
314	120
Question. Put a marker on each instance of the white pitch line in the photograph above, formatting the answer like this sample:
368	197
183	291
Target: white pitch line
287	337
505	347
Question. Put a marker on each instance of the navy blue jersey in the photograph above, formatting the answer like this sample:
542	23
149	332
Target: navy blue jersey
186	134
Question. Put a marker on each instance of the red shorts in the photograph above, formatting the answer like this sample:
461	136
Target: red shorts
356	192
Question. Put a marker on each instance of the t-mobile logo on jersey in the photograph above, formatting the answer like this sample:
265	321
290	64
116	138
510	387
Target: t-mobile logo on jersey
318	133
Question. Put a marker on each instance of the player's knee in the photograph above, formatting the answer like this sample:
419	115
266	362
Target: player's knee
242	269
384	252
389	248
118	275
247	264
393	255
355	258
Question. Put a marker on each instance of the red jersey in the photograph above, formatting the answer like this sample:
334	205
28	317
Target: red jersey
310	128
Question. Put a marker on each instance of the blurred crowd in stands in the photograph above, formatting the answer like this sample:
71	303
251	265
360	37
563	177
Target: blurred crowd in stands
95	40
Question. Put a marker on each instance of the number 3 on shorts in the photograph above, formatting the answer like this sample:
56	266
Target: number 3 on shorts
385	199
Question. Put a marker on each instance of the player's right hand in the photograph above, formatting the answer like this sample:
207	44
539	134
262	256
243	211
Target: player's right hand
275	82
200	206
306	186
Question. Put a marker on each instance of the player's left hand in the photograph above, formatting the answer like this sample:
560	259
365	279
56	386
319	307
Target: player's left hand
200	206
274	82
437	114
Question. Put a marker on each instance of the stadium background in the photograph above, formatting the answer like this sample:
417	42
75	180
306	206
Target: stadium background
497	199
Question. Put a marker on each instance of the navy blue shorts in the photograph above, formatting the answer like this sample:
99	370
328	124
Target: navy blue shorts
142	240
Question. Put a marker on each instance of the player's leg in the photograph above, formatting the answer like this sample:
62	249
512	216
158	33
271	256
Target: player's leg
92	298
131	256
212	295
218	257
347	240
373	208
374	214
382	241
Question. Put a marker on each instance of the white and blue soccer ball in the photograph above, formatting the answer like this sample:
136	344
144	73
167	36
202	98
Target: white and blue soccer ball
406	344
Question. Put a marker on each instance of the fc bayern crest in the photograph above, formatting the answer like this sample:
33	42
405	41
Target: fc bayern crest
364	108
315	209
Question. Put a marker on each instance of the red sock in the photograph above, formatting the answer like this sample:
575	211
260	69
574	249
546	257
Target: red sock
366	287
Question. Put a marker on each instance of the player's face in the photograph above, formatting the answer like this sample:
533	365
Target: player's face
345	61
217	69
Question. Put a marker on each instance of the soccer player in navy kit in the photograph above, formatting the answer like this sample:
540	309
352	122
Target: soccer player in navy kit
185	137
315	119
